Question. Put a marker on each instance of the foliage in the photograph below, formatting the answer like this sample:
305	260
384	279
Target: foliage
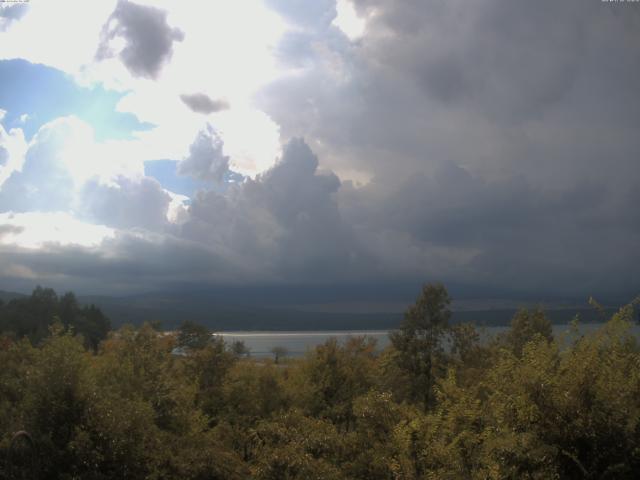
239	349
523	405
279	353
418	342
32	316
525	326
193	336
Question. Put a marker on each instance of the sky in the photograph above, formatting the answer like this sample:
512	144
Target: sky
160	145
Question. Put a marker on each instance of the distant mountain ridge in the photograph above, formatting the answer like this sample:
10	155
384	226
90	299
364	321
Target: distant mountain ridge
255	309
230	314
7	296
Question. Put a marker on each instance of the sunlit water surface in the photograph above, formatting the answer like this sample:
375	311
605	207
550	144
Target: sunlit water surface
298	343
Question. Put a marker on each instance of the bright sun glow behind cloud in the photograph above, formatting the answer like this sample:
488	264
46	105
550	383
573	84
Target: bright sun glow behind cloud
224	53
42	37
348	20
238	44
223	50
240	48
38	229
317	141
12	147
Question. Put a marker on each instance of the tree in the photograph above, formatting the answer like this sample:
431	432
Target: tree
333	376
525	326
465	341
209	366
56	399
92	324
32	316
296	447
418	340
279	353
193	336
239	349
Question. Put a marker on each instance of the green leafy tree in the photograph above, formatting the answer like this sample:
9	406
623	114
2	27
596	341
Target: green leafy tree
526	326
375	449
239	349
193	336
31	317
208	367
56	400
418	341
333	376
296	447
525	405
279	353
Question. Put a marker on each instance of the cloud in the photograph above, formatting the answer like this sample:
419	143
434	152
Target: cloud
201	103
510	82
70	49
126	261
10	13
300	13
8	229
506	233
488	144
64	170
495	62
348	20
508	139
246	157
14	11
298	224
286	221
127	203
148	38
45	177
205	160
34	230
12	150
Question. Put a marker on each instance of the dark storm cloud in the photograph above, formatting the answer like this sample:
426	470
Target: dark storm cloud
286	222
499	137
507	233
201	103
508	60
149	38
205	160
127	262
490	143
454	81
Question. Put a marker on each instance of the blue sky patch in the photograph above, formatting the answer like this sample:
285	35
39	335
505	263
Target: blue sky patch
166	172
45	93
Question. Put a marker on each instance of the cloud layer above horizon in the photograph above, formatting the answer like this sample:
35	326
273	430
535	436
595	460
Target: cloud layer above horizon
337	143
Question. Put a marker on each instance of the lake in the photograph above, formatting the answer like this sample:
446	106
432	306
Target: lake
298	343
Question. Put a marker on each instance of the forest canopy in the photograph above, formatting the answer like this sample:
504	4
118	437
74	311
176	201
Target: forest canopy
80	401
32	317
